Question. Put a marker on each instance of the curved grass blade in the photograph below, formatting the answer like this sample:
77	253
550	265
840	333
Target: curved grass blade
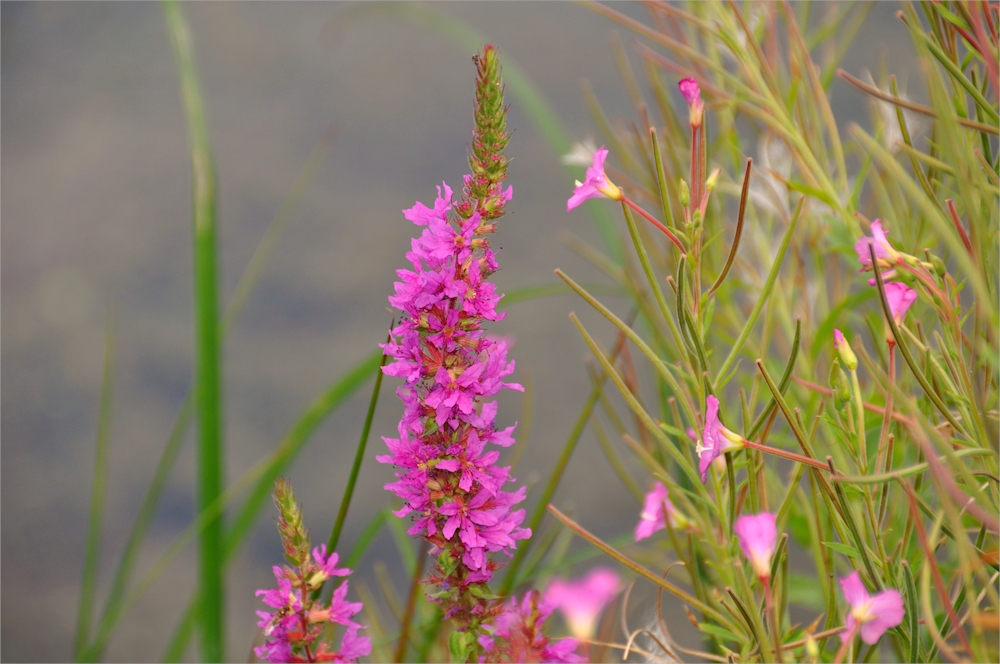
744	195
93	552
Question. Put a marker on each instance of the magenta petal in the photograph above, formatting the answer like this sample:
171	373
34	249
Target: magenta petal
854	590
690	89
900	297
758	535
887	609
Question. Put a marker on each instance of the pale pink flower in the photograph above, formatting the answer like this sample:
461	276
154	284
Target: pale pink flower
583	600
652	519
874	613
900	298
758	536
596	184
716	439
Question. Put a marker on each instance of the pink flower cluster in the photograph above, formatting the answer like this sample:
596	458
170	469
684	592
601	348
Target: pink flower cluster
292	629
899	295
517	635
447	478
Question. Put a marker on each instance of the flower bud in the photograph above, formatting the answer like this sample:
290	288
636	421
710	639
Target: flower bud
684	193
939	267
713	180
844	351
840	384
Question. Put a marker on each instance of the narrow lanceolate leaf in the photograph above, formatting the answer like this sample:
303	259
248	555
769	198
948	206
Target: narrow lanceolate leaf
93	555
208	398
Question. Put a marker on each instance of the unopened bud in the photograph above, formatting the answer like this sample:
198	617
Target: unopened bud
844	351
684	193
939	267
840	384
713	180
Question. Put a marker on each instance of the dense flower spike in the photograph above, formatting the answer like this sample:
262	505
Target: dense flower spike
716	439
448	480
872	615
758	536
652	519
293	631
583	600
595	184
518	637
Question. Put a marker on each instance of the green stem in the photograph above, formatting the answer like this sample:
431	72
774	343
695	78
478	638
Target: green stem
208	401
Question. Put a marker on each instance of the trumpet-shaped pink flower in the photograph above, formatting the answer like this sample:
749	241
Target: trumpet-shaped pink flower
652	519
878	240
900	298
716	439
595	184
758	536
583	600
874	613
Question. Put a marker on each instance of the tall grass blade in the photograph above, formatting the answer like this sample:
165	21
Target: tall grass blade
93	552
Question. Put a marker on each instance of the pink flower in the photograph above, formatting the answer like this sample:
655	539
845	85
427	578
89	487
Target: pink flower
692	94
596	183
651	519
875	614
518	634
716	440
582	601
881	243
758	535
900	298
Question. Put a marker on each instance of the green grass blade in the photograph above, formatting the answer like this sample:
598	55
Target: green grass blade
93	552
208	397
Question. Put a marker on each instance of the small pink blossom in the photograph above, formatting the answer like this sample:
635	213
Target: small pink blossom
758	536
651	519
583	600
692	94
596	184
875	614
900	298
878	240
716	439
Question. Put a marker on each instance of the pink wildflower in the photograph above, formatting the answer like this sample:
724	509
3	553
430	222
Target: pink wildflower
651	519
758	536
900	298
875	614
582	601
716	439
595	184
878	240
692	94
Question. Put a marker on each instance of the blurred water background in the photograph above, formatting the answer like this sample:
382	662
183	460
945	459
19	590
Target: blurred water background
96	218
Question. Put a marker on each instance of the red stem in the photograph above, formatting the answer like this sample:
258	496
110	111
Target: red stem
651	219
787	455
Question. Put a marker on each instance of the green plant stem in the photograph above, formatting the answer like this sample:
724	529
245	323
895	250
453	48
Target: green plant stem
208	400
93	551
859	406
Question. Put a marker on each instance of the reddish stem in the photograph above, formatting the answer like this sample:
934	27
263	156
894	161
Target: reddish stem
787	455
651	219
845	645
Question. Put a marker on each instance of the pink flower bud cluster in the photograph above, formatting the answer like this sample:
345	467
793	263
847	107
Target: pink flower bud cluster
448	480
292	630
518	636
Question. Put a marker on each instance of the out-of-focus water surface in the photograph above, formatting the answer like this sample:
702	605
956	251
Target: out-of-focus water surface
96	219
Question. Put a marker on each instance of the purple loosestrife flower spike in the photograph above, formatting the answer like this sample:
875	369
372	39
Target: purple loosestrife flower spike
583	600
449	482
758	536
651	519
875	614
518	635
595	184
900	298
716	440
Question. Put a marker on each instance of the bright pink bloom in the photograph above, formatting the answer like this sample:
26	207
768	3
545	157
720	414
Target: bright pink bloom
716	438
758	536
881	243
875	614
596	184
900	298
652	519
690	89
582	601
